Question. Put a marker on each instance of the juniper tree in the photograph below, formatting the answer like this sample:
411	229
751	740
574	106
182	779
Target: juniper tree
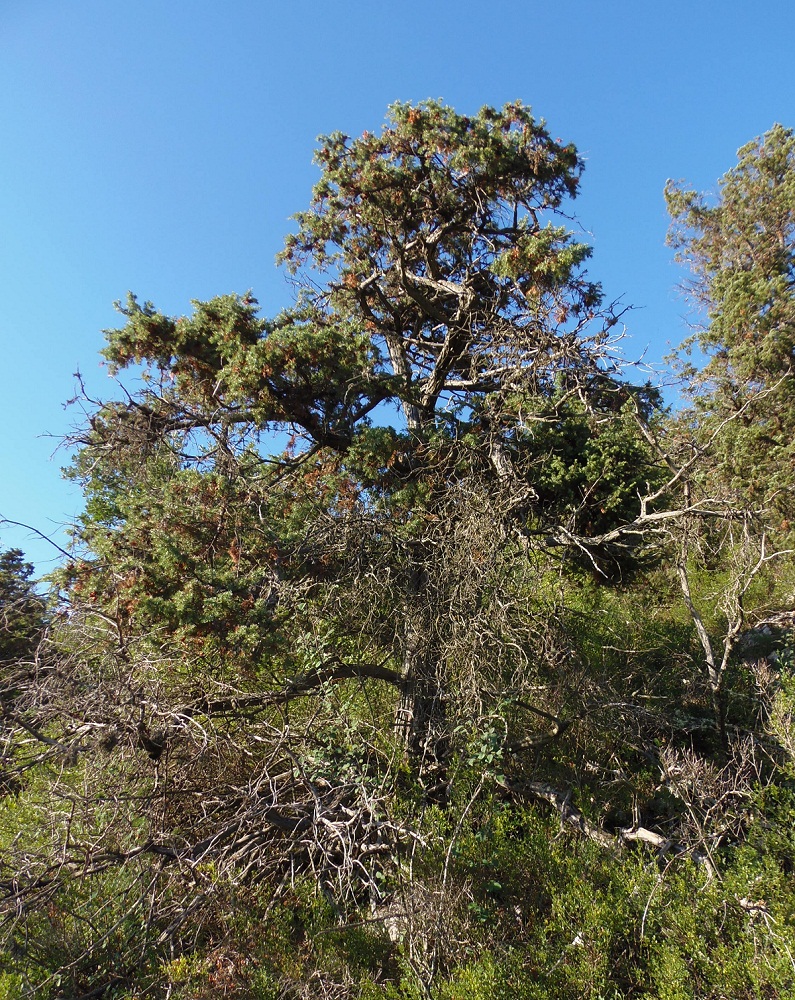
439	277
740	247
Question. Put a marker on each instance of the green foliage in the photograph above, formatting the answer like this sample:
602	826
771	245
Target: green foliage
781	720
742	253
591	471
22	611
11	986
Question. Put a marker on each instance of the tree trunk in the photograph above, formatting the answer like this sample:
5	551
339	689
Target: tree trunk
421	720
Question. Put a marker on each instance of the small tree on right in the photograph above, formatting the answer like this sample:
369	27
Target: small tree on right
741	252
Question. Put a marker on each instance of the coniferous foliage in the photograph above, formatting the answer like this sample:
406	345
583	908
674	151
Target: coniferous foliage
741	251
21	608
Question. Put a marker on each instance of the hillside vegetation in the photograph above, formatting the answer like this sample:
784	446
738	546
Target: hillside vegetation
409	646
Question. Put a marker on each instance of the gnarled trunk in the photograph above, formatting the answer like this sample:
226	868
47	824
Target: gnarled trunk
421	719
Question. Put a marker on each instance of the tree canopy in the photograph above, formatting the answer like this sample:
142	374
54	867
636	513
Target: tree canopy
438	282
741	251
21	608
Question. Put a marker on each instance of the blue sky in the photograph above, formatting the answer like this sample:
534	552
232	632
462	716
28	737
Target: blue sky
161	148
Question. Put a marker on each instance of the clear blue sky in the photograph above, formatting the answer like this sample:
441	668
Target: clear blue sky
161	147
